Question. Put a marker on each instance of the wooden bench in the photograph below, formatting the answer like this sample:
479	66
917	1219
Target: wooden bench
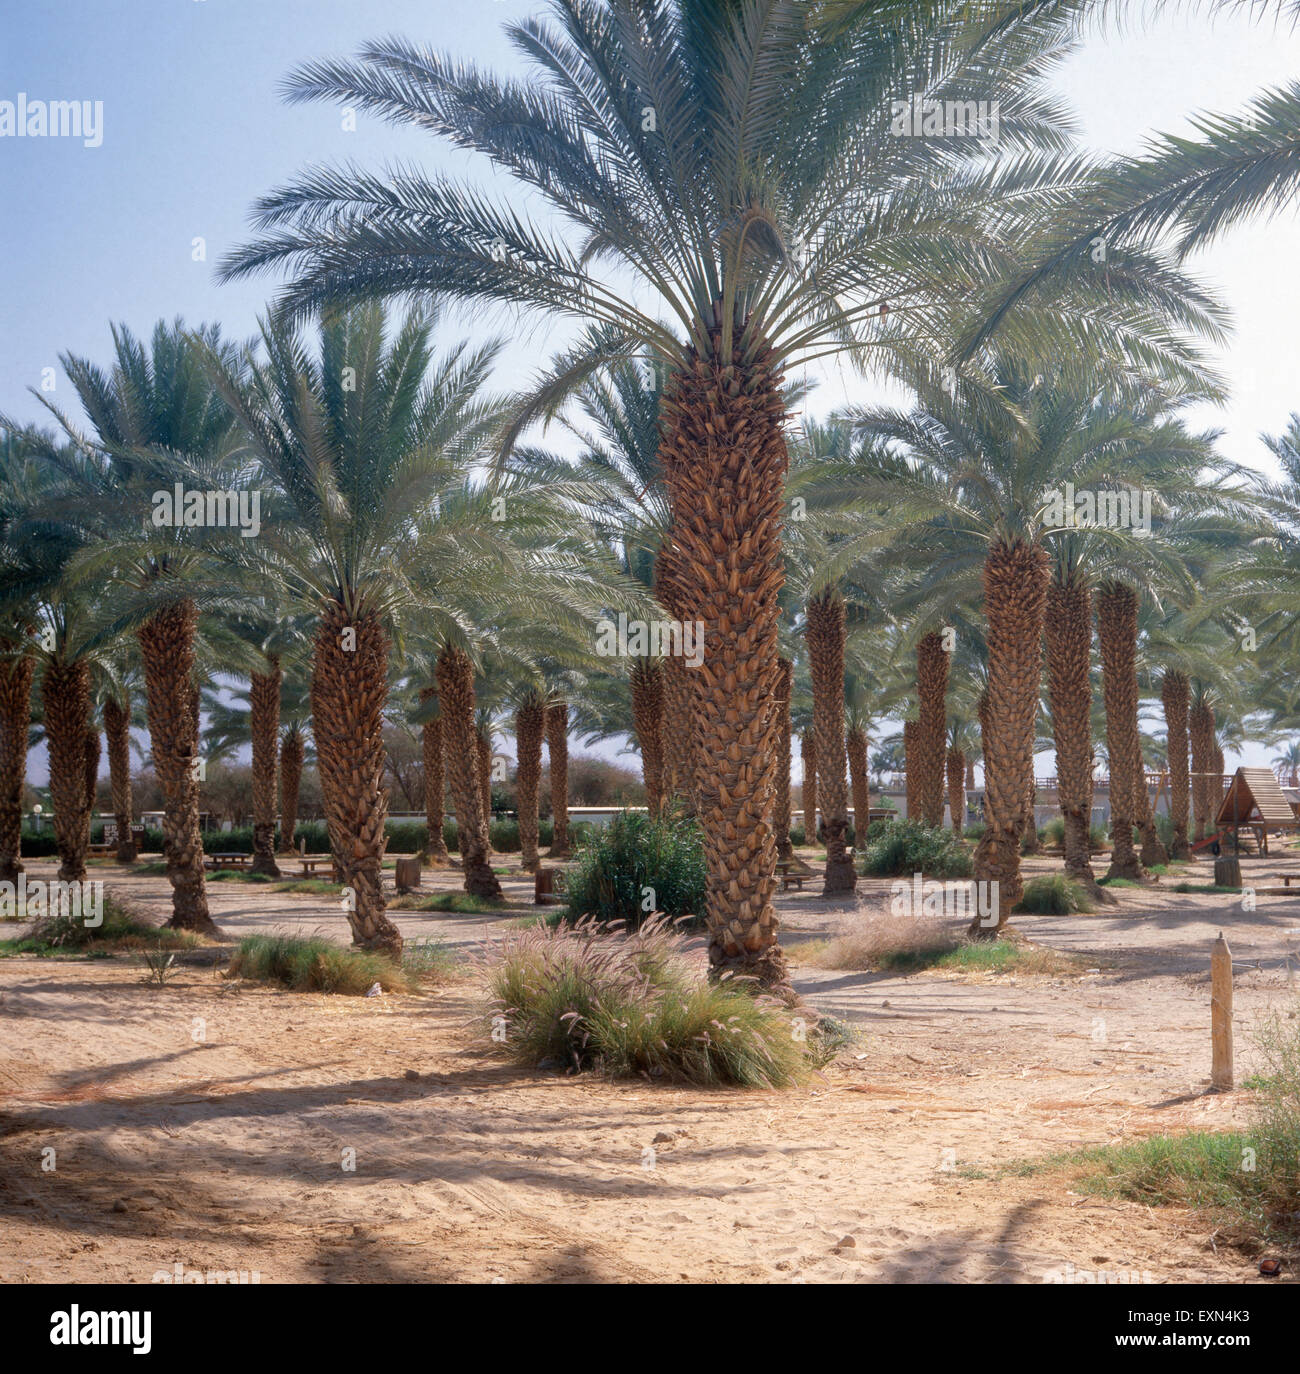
102	851
310	865
218	861
792	876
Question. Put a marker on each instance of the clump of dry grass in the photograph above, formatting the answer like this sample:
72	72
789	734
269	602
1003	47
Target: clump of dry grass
888	941
893	943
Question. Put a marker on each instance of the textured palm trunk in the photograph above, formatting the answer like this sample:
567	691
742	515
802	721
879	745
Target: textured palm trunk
16	675
349	691
93	750
167	654
455	674
826	660
435	785
647	686
781	783
291	757
932	725
808	757
1015	598
483	760
1215	783
1029	840
680	748
117	733
1117	630
530	726
855	746
1154	854
911	786
1202	731
1069	693
65	701
557	749
724	454
264	723
957	789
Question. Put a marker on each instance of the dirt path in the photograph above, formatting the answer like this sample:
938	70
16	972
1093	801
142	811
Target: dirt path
229	1152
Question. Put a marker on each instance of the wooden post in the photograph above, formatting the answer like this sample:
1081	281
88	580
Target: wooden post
1221	1016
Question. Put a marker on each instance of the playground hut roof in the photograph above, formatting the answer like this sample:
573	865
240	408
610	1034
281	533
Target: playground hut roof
1255	794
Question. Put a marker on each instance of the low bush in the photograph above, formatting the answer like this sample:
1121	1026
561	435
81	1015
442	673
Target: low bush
314	964
637	860
586	997
911	846
1053	894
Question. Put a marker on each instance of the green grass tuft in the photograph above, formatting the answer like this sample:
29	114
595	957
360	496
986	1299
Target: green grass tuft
122	930
589	997
1053	894
313	964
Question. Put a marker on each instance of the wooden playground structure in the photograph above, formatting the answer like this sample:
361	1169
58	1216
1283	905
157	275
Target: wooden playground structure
1255	803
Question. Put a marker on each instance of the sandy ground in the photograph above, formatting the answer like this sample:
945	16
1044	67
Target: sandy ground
210	1124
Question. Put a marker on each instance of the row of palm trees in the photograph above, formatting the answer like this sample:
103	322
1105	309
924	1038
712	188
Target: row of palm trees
725	195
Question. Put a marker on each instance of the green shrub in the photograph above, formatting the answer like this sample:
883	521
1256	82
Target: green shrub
619	862
1053	894
1054	831
911	846
974	832
623	1004
314	964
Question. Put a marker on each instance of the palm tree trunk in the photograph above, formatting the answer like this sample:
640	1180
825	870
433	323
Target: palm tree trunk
911	784
1154	854
932	725
1217	766
435	785
291	757
808	755
117	732
1015	599
557	748
1175	697
647	684
855	746
1029	840
1202	731
65	701
167	653
15	721
826	659
349	690
677	780
724	454
93	750
957	789
1117	629
483	760
455	674
530	726
264	724
781	784
1069	695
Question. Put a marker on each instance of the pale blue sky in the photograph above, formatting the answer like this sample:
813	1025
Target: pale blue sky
194	130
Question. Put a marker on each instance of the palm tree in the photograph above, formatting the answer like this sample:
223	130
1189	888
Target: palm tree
735	158
359	441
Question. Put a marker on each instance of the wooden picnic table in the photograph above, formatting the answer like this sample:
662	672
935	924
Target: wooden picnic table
792	875
216	861
310	863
